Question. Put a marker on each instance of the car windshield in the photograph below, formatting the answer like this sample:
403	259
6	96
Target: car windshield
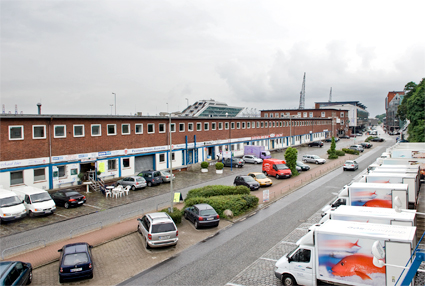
10	201
75	259
163	227
68	194
41	197
140	179
315	157
299	163
267	153
261	176
249	179
165	173
208	212
349	162
281	167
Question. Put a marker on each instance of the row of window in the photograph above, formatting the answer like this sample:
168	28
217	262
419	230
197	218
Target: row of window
283	115
16	132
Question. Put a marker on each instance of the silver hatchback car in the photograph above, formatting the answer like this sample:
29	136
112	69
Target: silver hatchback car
136	182
166	177
158	229
350	165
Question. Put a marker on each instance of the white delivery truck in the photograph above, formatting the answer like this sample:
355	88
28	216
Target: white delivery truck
393	178
11	207
371	195
399	170
409	161
36	201
340	252
372	215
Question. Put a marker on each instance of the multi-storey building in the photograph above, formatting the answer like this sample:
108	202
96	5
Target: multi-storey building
392	101
339	117
49	151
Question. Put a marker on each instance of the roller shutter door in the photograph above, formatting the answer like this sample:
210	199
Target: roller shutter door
144	163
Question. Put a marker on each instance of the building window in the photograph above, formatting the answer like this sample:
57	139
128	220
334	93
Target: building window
59	131
276	115
39	132
266	115
248	124
125	129
274	124
139	128
74	172
198	126
266	124
151	128
173	127
62	171
342	114
126	162
39	175
181	127
162	158
213	125
258	124
112	129
16	132
220	126
271	115
262	124
112	164
173	156
95	130
226	125
282	115
311	114
161	128
232	125
16	178
304	114
323	114
238	125
78	130
190	126
342	122
206	126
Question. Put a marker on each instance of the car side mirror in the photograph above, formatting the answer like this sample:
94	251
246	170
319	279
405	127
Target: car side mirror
90	246
59	250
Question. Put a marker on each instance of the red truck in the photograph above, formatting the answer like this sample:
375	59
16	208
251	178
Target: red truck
276	168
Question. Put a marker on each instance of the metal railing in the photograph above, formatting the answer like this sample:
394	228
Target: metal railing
2	253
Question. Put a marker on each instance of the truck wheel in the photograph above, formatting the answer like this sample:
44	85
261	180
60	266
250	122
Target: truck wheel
277	176
288	280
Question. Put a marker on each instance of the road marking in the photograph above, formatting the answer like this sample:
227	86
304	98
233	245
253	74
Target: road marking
61	215
233	284
268	259
87	205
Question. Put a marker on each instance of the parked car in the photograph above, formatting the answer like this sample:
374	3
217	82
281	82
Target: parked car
202	215
366	145
136	182
344	137
313	159
303	166
350	165
15	273
356	147
75	261
252	159
68	198
234	162
377	139
261	179
315	143
152	178
330	139
166	176
246	181
158	229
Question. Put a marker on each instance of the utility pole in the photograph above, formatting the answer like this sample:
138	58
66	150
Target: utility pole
302	95
330	96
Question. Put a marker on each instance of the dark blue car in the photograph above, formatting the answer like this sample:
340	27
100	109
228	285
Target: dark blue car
75	262
15	273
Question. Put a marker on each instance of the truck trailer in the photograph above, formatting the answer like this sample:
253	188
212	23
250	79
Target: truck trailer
340	252
258	151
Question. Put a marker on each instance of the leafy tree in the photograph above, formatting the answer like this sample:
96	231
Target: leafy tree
291	160
412	108
332	152
380	117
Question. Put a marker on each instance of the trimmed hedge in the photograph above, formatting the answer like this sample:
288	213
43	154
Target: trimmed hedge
350	151
217	190
176	215
333	156
238	204
219	166
368	138
204	165
339	152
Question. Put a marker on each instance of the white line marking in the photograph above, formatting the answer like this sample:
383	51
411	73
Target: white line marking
61	215
92	206
268	259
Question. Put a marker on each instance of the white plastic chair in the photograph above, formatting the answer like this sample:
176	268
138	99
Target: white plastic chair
126	190
116	192
108	193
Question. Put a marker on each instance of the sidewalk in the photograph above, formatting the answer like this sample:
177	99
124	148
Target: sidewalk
49	253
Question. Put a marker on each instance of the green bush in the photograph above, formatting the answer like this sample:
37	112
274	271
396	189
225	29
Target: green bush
238	204
350	151
333	156
217	190
204	165
176	215
368	138
339	152
219	166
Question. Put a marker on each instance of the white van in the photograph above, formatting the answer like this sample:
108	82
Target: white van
11	207
36	201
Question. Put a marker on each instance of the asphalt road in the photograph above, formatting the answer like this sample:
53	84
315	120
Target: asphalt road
219	259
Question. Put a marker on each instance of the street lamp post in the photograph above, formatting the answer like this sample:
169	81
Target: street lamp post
111	107
171	162
115	103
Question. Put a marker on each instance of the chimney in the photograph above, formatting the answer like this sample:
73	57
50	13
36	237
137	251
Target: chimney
39	108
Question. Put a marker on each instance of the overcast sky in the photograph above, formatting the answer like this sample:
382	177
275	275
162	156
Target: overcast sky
72	55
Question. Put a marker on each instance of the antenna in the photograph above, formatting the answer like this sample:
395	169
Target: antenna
330	96
302	95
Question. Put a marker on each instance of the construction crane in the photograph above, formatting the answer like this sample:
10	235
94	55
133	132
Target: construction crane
330	96
302	95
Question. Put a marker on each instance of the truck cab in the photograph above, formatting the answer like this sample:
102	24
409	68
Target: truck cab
276	168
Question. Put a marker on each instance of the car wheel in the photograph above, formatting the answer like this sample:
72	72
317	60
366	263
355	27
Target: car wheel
321	146
31	214
236	166
196	224
288	280
138	229
146	243
317	163
255	162
277	176
149	184
185	216
133	188
66	205
344	169
61	280
91	276
29	278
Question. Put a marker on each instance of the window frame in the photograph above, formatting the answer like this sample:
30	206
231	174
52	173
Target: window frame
198	126
161	125
77	125
153	128
213	126
184	127
22	132
172	127
123	165
100	130
64	131
190	126
206	126
220	126
135	128
42	180
16	184
129	129
44	132
107	130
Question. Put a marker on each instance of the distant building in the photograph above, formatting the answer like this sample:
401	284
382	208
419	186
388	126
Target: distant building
212	108
373	121
357	114
392	101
